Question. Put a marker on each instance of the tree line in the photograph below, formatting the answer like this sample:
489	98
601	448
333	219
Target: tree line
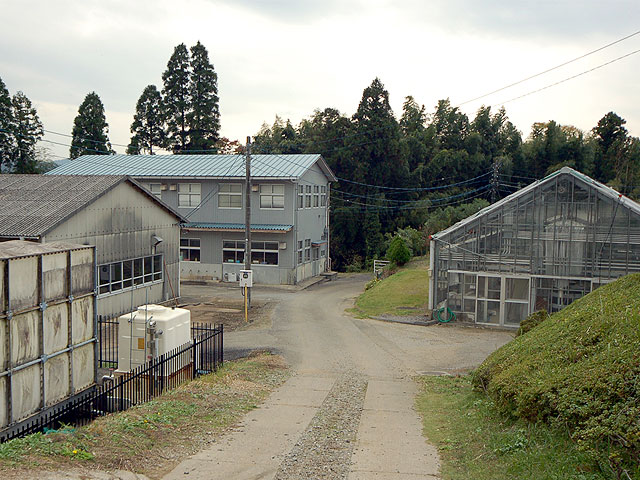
418	174
182	117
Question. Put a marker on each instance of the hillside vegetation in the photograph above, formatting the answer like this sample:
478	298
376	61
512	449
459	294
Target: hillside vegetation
579	370
403	293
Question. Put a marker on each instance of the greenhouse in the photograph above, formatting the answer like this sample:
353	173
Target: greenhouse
541	247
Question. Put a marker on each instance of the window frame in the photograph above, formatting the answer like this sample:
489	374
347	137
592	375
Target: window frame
260	248
229	195
189	245
316	196
238	248
194	198
271	195
158	190
130	274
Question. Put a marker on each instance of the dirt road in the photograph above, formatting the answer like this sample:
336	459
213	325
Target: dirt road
348	410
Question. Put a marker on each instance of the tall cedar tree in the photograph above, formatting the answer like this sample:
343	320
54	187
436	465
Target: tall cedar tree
28	130
7	139
203	117
378	156
177	106
147	126
90	129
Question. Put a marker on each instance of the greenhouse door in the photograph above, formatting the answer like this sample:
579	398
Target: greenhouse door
502	300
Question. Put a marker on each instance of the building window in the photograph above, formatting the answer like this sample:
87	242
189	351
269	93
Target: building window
233	251
230	195
156	189
264	253
272	196
190	249
188	194
316	196
307	199
307	250
300	251
300	196
323	196
118	276
316	253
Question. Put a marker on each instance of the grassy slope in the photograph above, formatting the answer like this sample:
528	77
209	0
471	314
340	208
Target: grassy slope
151	437
407	288
476	442
579	369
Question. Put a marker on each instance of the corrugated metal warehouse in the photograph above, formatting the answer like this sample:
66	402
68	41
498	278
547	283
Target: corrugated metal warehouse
289	210
136	235
541	247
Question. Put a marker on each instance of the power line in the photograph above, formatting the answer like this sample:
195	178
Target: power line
549	69
568	78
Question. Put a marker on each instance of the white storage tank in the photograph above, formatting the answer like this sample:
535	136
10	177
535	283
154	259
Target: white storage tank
149	332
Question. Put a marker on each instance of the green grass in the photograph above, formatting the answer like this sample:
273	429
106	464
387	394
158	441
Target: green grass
180	421
579	369
403	293
476	442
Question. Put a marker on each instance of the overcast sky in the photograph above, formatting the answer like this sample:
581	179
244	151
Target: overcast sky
289	57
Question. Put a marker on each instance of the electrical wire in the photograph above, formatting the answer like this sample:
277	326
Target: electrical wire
550	69
566	79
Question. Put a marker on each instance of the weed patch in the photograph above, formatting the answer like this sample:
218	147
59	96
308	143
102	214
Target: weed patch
476	441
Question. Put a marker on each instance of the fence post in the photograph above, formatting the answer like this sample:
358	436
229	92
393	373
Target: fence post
121	393
221	343
162	361
195	342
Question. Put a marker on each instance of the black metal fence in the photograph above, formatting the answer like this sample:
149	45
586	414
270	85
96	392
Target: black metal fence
203	354
108	340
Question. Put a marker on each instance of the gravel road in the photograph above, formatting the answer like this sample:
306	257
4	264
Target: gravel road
348	410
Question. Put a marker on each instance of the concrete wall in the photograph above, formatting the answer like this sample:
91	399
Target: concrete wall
121	225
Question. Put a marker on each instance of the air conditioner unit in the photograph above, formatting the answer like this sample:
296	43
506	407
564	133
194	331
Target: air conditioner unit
255	188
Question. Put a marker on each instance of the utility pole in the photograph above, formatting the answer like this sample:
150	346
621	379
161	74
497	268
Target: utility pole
247	217
495	181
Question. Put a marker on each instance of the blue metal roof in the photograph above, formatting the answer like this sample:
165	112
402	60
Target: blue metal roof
237	226
212	166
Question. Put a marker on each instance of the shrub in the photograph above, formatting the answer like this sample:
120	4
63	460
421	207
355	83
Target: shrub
532	321
398	251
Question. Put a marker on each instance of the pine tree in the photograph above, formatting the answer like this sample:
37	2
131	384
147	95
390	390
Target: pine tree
204	115
7	139
147	126
90	129
27	130
176	95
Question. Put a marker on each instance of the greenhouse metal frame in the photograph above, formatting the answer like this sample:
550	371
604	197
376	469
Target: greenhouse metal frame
541	247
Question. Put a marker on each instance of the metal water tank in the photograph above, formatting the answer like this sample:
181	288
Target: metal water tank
47	329
151	331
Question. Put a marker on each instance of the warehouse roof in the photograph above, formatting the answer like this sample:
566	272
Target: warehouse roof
207	166
32	205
